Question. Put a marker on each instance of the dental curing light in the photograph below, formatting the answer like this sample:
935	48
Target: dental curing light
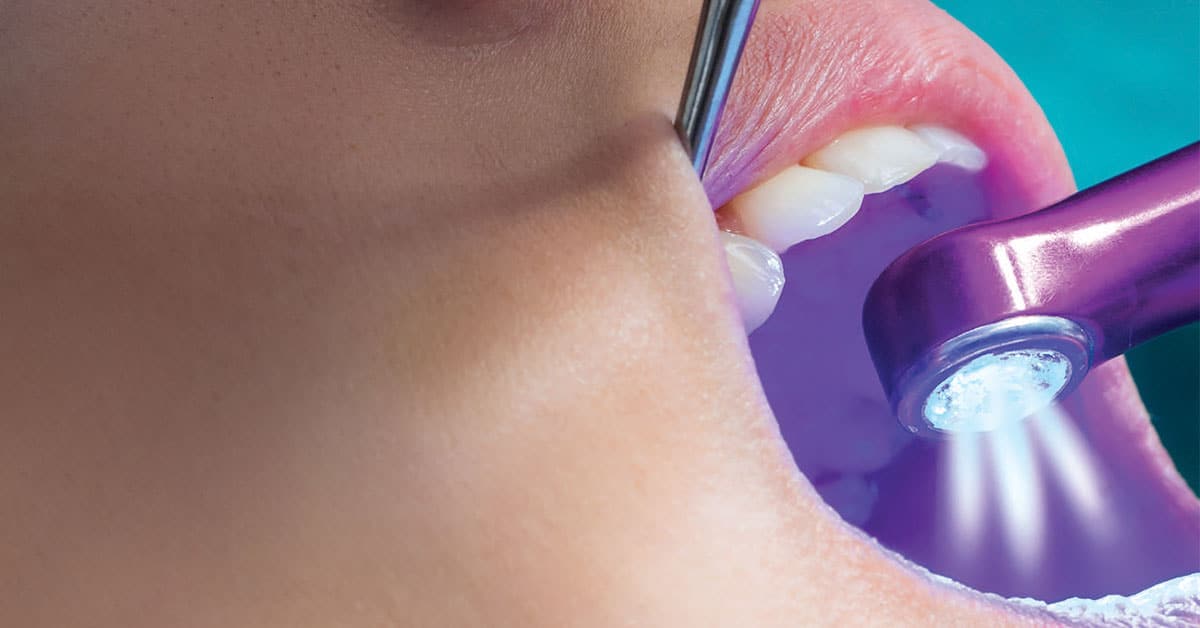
984	325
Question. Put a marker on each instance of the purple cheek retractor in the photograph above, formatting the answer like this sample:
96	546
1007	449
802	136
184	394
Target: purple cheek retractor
987	324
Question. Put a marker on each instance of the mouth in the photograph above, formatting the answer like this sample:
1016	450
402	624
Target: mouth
834	157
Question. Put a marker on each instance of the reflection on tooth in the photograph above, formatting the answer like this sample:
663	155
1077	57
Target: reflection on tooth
881	156
757	277
952	147
797	204
852	496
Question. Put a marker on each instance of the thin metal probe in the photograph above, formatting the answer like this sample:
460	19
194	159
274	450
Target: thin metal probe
724	27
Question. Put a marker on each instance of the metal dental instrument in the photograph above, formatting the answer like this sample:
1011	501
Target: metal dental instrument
724	26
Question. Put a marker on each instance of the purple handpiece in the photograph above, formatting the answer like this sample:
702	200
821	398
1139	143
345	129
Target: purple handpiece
1089	277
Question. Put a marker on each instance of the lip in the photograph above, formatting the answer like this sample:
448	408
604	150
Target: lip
909	62
797	89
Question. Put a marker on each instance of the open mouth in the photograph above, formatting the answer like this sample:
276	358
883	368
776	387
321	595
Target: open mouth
838	164
249	369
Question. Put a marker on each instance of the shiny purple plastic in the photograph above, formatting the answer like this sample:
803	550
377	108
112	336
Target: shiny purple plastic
1121	259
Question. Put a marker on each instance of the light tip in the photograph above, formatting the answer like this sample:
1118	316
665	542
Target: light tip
997	389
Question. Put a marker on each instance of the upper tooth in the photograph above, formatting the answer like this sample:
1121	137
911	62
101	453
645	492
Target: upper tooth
797	204
952	146
881	157
757	277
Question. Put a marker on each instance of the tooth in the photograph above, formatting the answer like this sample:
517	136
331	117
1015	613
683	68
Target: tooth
757	277
952	147
797	204
881	156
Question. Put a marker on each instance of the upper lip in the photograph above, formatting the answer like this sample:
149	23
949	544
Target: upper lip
814	69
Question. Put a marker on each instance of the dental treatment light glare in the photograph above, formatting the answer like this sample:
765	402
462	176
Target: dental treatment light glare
997	389
992	375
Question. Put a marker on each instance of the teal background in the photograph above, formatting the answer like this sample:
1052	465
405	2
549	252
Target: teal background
1120	83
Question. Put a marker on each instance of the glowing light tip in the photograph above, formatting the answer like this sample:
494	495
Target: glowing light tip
997	389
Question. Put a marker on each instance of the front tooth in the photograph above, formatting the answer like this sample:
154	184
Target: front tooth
881	156
797	204
952	147
757	277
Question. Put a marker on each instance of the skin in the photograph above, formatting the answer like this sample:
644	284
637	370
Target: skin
413	313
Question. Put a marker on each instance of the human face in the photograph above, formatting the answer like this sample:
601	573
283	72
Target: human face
413	312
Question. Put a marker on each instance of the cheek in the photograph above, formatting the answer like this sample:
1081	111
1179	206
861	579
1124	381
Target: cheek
465	23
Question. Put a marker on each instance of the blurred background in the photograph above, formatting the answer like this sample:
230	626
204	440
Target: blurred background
1120	82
